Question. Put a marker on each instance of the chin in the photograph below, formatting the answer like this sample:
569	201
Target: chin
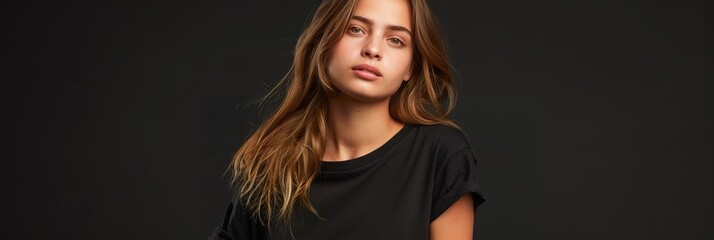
360	90
362	97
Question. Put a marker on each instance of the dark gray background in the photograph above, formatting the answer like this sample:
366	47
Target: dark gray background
591	120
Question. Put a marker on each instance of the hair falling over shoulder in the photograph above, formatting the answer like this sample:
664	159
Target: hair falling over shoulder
273	170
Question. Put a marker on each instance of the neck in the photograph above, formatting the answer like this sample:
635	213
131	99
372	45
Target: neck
357	128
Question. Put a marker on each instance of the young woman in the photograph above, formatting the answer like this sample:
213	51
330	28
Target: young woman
361	146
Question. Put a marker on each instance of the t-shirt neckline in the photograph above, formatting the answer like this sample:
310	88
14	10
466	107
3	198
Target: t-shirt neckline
364	160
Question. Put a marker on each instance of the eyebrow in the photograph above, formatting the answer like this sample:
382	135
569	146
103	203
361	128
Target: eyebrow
390	27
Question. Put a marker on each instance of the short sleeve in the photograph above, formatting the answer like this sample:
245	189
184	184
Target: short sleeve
456	177
237	225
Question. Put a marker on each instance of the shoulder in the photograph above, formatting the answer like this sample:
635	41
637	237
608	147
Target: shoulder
445	140
444	135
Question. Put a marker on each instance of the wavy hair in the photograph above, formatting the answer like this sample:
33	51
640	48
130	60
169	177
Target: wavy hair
273	170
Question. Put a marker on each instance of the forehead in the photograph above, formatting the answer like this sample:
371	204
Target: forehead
385	12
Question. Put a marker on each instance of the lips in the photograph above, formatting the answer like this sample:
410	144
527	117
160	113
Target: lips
367	69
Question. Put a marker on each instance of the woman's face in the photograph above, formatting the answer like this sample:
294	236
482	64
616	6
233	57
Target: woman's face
374	55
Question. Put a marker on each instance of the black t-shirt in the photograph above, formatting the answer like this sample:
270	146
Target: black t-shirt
393	192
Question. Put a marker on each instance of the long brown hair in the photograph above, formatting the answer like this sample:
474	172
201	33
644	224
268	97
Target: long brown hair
273	170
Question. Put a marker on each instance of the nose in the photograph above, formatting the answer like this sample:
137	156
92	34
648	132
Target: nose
372	49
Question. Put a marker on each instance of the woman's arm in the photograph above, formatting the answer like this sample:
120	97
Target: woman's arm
456	223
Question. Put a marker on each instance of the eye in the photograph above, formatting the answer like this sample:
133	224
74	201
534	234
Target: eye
354	29
397	41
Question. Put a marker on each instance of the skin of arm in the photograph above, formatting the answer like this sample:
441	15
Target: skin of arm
456	223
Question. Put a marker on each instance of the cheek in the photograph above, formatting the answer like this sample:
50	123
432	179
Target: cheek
401	64
336	57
